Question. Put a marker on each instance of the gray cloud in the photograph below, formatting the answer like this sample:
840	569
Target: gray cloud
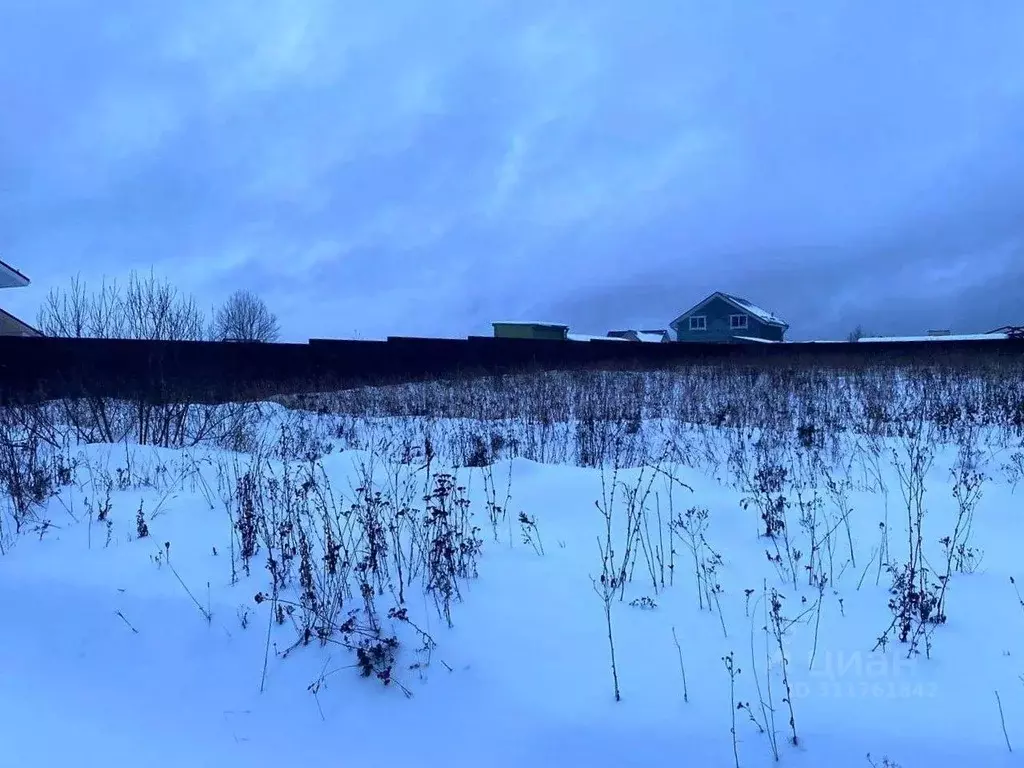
425	168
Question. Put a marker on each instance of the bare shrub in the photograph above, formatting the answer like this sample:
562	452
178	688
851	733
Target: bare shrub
35	464
342	562
915	593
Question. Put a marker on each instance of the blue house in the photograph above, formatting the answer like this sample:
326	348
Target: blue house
723	317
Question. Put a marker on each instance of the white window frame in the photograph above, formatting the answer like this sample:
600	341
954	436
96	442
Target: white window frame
735	326
699	323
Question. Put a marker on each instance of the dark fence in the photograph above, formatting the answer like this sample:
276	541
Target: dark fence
162	371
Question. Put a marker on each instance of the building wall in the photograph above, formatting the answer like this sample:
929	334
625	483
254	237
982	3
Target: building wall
717	311
527	331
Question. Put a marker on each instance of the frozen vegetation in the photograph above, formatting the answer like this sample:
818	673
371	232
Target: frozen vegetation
709	567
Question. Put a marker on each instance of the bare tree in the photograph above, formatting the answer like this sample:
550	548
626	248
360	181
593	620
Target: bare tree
155	310
245	317
856	334
147	308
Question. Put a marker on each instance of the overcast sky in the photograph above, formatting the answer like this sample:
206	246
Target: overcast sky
407	167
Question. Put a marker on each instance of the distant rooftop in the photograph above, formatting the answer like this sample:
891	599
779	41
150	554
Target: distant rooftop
586	337
530	323
645	335
940	337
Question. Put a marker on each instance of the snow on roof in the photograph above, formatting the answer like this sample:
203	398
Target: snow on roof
1008	329
762	314
754	338
11	278
586	337
958	337
633	335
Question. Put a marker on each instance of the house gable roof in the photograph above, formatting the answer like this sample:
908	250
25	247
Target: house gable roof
25	328
11	278
742	305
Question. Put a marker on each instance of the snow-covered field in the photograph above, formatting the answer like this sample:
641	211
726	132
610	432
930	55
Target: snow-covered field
765	593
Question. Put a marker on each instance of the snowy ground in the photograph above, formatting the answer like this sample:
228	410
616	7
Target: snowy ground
126	650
